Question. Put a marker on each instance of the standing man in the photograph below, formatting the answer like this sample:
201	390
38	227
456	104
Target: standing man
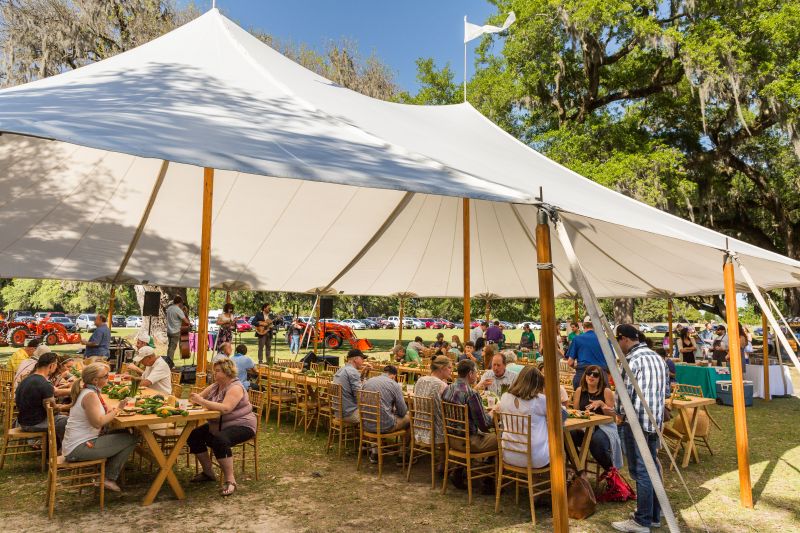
585	351
494	335
264	322
651	373
296	330
706	339
575	330
98	343
176	319
478	332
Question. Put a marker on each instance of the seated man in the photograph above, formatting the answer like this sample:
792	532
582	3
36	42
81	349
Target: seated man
511	362
22	354
461	392
34	393
394	412
416	345
349	378
439	341
225	351
244	365
499	377
470	354
156	375
432	386
26	367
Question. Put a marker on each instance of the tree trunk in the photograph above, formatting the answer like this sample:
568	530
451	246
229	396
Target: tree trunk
623	311
158	328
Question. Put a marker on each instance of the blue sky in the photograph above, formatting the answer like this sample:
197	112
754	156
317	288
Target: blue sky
397	32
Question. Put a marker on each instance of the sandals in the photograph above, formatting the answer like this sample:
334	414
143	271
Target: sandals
228	488
202	477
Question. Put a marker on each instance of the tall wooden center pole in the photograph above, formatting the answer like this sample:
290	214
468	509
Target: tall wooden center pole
111	301
739	415
488	309
669	327
555	434
465	246
205	270
317	326
400	323
765	336
575	314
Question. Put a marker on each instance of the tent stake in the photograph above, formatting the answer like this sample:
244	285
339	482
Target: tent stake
737	386
465	234
205	271
555	433
765	351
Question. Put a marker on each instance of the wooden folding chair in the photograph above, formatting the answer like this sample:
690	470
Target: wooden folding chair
306	405
393	443
177	390
332	368
77	475
339	429
512	430
456	435
175	377
16	442
322	392
316	367
423	428
257	399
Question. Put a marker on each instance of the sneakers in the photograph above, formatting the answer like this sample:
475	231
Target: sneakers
652	525
630	526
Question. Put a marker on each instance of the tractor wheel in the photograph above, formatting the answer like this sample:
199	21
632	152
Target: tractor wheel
51	339
333	342
17	336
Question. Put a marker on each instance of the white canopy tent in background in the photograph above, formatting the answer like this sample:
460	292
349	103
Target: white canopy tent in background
317	186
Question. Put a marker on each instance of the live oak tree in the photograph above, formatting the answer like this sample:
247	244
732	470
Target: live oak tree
690	106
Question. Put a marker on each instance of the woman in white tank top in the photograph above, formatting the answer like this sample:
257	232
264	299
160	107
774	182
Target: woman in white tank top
82	440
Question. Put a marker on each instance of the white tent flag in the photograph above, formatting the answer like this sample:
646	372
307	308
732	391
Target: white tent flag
472	31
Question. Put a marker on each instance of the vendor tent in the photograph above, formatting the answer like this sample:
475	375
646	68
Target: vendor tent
316	186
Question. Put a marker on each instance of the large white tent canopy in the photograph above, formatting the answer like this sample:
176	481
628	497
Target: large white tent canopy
316	186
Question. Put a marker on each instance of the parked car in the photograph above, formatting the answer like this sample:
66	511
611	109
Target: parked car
384	323
133	321
118	321
243	325
53	314
530	323
86	321
645	328
68	324
446	323
371	323
660	329
39	316
507	325
354	323
416	323
458	324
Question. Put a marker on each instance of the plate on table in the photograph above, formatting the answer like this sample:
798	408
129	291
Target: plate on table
122	414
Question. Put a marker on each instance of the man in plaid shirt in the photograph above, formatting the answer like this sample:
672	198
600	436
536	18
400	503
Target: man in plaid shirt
651	373
461	392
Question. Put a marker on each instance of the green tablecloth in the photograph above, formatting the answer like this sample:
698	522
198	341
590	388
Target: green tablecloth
705	376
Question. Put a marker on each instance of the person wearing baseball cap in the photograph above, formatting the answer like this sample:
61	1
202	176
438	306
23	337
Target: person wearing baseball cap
349	378
650	371
143	339
156	373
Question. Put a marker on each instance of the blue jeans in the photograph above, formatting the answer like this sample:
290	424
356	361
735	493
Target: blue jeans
648	511
294	344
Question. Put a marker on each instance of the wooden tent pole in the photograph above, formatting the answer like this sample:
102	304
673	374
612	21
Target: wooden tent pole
765	350
575	314
488	309
227	297
669	327
111	301
400	323
317	327
737	386
555	433
465	247
205	270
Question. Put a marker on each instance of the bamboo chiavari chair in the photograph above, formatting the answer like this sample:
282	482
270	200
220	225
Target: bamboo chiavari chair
17	442
339	429
281	394
77	475
306	405
323	397
512	430
423	429
369	413
457	447
257	399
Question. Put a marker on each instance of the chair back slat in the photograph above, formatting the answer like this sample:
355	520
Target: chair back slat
513	435
256	398
692	390
335	395
369	408
422	419
456	423
52	447
316	367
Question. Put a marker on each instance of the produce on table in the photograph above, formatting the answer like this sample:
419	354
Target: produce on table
583	415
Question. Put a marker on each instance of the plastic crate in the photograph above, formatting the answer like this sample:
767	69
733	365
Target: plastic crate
725	393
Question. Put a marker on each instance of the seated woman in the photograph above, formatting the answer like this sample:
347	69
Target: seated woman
562	391
236	424
455	342
89	413
63	378
595	396
526	397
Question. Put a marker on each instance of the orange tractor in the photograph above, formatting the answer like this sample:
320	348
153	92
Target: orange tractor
333	336
51	333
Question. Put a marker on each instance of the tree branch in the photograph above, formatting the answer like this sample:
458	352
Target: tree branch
632	94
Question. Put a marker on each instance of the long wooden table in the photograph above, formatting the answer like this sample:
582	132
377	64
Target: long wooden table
142	424
697	403
580	456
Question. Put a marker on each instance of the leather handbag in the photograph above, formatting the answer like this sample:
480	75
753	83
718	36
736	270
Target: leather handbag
581	502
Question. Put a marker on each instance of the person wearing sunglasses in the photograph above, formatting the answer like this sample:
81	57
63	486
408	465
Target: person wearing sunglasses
595	396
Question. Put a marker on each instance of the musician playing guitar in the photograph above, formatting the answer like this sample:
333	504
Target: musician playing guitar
264	323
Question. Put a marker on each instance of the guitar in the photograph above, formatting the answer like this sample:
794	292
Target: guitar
263	327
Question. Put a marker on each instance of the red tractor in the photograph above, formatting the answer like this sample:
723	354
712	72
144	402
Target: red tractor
51	333
334	335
